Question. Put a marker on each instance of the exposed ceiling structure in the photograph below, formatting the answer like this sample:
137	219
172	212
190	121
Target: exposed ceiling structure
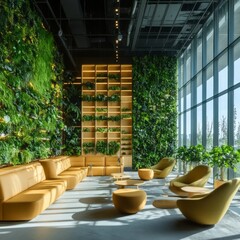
108	28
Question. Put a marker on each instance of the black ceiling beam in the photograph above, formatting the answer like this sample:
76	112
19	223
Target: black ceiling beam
62	40
190	36
139	20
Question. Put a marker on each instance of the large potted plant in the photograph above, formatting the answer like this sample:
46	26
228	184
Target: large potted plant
223	157
197	154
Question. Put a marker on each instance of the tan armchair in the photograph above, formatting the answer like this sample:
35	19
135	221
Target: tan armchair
197	177
164	167
210	209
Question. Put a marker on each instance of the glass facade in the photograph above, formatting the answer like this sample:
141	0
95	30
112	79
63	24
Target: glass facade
209	82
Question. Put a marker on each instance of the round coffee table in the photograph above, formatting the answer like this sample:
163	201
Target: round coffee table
129	182
120	176
192	191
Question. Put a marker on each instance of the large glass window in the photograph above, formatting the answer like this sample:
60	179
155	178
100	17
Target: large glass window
215	83
236	53
188	96
223	73
199	52
209	123
237	118
181	101
222	38
236	19
188	128
181	129
199	124
209	82
180	79
188	63
209	40
199	87
223	120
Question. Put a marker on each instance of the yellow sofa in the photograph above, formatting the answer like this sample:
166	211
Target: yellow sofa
25	192
61	168
98	165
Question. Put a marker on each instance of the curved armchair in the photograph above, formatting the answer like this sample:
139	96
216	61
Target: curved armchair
197	177
211	208
164	167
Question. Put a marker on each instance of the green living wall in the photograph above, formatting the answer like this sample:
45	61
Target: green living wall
154	109
30	86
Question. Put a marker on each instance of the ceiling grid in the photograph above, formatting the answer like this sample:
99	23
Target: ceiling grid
85	28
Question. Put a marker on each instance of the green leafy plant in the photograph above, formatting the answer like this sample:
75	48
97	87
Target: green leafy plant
31	76
115	77
154	109
125	109
86	130
113	147
101	109
102	130
224	157
114	88
102	147
89	85
88	147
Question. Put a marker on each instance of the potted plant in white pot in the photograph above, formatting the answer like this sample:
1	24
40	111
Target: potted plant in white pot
223	157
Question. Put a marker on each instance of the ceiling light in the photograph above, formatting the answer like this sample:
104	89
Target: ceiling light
120	36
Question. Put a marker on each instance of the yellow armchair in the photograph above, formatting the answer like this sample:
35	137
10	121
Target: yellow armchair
210	209
197	177
164	167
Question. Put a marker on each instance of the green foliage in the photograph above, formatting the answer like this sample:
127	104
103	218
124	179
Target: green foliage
89	85
101	98
154	109
72	141
115	77
224	156
103	147
115	88
30	86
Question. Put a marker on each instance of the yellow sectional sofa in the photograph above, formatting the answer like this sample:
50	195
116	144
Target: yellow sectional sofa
98	165
25	192
61	168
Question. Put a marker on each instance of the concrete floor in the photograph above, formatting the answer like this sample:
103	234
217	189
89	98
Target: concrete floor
87	212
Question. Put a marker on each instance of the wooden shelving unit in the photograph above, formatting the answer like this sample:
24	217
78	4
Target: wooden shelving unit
112	120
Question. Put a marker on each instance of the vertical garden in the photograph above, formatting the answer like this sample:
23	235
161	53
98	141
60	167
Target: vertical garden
154	109
30	86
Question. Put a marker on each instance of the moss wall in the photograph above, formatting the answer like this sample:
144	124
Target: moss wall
30	86
154	109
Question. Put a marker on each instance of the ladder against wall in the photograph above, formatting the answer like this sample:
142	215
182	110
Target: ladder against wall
107	109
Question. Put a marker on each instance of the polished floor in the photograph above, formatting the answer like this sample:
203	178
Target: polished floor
87	212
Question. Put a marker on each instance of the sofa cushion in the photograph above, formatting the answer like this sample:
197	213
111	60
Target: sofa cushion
54	166
95	161
16	179
112	161
31	202
77	161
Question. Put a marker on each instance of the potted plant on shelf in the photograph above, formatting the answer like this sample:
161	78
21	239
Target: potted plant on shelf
223	157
